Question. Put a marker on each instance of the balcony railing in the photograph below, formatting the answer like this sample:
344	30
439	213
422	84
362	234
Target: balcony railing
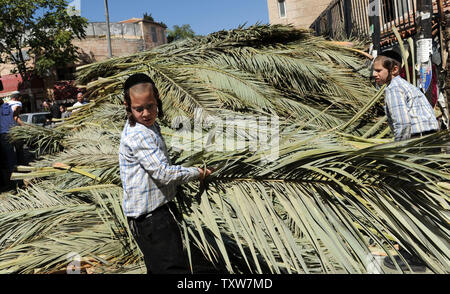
343	18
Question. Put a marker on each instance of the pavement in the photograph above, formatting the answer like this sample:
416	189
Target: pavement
378	267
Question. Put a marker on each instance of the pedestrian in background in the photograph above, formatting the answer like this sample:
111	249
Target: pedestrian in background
3	160
64	112
9	117
53	108
80	102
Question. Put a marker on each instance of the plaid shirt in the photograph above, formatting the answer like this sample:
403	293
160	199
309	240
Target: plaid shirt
408	110
148	178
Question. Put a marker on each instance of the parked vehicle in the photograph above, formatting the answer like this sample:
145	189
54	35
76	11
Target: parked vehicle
36	118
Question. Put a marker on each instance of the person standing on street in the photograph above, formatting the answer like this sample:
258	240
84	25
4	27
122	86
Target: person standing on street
53	108
64	112
9	117
80	102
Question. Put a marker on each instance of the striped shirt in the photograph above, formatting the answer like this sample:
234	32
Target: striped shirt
148	178
408	110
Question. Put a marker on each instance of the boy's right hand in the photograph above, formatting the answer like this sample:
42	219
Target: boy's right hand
204	173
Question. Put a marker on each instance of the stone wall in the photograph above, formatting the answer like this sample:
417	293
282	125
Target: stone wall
93	49
126	39
6	68
299	13
124	30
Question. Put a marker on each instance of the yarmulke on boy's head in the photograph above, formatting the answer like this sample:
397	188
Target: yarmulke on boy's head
135	79
393	55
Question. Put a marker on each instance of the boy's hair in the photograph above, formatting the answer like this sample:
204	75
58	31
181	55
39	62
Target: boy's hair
131	82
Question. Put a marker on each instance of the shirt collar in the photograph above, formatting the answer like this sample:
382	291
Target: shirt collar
394	81
155	127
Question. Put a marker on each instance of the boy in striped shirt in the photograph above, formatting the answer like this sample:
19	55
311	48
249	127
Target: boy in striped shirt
149	180
409	113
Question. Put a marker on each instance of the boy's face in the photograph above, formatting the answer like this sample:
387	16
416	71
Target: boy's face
144	107
380	73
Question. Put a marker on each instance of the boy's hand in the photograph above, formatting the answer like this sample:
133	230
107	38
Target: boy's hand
204	173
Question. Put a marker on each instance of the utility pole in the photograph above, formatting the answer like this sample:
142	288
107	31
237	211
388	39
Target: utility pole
348	17
108	34
424	44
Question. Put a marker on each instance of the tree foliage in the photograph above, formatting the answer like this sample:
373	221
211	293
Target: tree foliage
148	17
43	28
180	33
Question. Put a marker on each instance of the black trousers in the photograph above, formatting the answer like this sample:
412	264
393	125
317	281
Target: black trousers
159	238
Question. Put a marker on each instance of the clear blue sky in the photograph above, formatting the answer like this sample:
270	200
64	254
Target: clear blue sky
204	16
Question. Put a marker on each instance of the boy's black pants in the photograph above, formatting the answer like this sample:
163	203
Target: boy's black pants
159	239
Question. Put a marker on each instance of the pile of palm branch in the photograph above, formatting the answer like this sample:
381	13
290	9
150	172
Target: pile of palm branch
337	188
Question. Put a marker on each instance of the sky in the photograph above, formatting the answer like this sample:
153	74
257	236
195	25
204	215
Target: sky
204	16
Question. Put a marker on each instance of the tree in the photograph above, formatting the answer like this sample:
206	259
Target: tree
148	17
180	33
42	29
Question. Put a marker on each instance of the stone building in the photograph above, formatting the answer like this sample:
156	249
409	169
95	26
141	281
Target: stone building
300	13
127	37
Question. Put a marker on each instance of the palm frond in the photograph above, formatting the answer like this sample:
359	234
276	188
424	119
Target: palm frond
315	202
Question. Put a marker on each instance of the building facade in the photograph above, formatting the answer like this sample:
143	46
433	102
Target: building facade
299	13
127	37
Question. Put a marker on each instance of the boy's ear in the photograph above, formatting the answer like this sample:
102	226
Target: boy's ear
396	70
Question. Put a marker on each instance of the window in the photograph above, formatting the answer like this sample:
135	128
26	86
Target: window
24	117
396	9
163	36
39	118
154	36
282	8
388	10
66	73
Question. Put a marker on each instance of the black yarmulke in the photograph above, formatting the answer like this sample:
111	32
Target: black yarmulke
135	79
394	55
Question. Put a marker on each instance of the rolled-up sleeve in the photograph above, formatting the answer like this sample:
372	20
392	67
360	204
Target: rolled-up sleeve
157	165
